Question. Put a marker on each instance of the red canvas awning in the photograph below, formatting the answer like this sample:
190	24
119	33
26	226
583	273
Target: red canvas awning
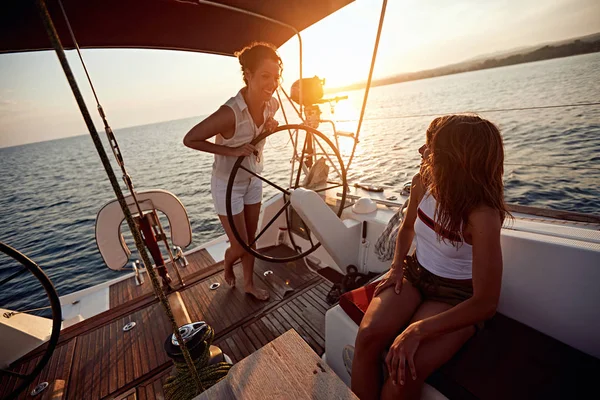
159	24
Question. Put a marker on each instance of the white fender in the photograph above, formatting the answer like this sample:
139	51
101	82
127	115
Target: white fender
109	238
340	238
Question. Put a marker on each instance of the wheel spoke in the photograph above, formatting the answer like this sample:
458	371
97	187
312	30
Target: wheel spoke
327	188
13	276
266	180
329	158
285	206
301	162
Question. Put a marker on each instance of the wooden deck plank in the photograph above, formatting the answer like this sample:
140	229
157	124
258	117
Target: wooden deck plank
236	353
57	368
147	346
149	333
114	357
265	331
315	327
152	389
157	388
256	342
235	306
275	322
141	354
323	288
120	351
28	370
13	382
97	373
242	343
154	347
106	359
309	313
128	347
258	333
304	331
317	302
285	278
215	306
82	343
214	302
125	291
200	306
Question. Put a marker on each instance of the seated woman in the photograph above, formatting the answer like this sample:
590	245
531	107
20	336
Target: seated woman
430	303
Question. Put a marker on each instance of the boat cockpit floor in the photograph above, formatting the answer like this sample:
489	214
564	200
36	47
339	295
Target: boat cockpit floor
96	359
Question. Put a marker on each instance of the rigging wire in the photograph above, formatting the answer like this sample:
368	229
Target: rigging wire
366	94
59	49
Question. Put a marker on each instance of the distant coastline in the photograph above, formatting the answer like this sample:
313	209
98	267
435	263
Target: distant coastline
583	45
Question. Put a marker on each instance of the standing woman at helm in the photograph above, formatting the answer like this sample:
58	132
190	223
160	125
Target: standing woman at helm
234	125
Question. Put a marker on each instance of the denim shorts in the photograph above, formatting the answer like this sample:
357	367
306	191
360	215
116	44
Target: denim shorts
436	288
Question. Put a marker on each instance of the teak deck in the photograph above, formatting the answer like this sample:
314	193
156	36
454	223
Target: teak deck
98	360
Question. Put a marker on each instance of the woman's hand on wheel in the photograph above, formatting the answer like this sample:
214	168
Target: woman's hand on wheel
392	278
270	125
243	150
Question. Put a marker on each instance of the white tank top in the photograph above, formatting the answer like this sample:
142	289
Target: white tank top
437	256
245	131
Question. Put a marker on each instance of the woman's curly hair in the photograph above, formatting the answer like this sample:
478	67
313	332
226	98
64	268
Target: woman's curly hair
464	169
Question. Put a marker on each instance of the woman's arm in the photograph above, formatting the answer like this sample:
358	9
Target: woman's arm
406	233
484	226
221	122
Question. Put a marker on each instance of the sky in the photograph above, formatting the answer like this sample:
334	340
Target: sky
139	87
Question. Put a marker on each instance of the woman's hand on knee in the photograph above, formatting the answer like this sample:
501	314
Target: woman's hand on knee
392	278
403	352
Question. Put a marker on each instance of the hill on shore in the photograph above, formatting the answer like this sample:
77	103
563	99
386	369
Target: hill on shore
564	48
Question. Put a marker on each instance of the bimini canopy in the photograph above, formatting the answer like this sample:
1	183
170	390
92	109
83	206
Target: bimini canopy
159	24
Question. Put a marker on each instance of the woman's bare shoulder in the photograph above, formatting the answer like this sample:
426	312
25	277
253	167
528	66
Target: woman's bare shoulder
484	216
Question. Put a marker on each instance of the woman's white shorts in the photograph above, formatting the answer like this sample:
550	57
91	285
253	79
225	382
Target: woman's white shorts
247	192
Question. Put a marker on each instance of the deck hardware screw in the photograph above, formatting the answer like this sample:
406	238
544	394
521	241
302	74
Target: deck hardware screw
129	326
39	388
214	286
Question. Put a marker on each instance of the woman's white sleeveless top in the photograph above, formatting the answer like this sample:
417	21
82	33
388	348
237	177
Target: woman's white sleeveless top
438	256
245	131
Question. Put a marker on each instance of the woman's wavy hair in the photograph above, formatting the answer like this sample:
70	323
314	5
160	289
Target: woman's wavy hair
464	169
252	55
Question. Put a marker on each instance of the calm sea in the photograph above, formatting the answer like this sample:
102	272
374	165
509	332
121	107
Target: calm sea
51	191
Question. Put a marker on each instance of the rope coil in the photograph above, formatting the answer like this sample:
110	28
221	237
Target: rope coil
181	386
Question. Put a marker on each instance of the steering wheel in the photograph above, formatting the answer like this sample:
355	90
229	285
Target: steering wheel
315	147
36	271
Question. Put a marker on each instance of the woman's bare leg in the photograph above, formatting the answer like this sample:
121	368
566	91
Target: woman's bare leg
251	215
234	252
387	314
430	355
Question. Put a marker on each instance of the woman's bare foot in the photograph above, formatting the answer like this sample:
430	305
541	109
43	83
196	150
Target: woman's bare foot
259	294
228	266
229	275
